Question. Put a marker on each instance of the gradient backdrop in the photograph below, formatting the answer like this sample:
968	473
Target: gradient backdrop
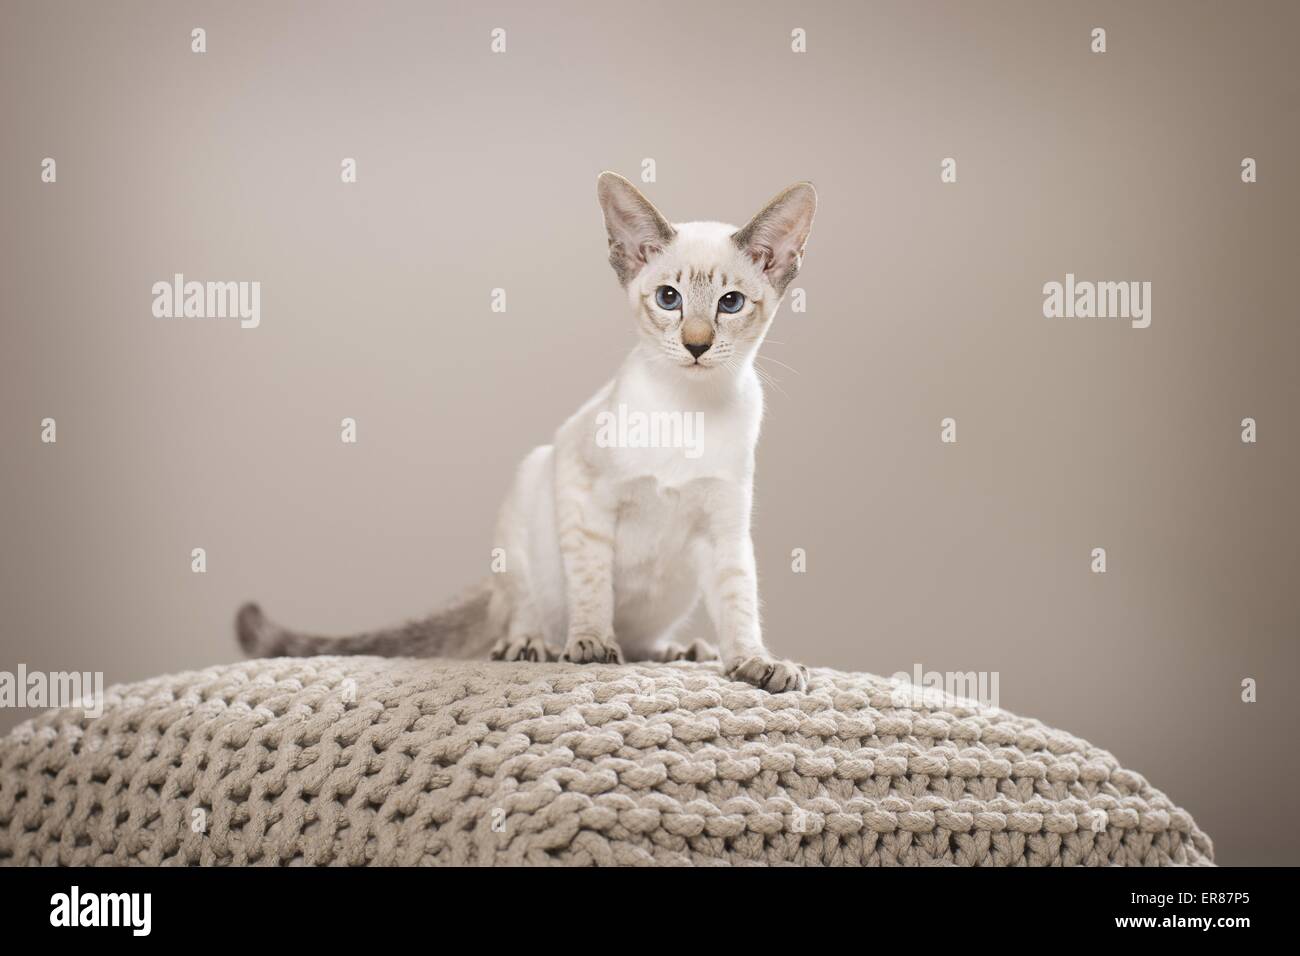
477	171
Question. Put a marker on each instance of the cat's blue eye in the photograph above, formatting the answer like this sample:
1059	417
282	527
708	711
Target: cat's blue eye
731	302
668	298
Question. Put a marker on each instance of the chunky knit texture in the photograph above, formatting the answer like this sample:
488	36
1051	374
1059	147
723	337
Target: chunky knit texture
394	761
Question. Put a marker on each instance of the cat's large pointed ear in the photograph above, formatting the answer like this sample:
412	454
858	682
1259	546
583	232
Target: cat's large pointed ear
775	237
636	229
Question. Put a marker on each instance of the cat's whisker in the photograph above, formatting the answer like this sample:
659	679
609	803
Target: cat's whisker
778	362
768	378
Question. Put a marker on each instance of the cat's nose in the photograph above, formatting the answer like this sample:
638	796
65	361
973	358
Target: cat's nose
697	350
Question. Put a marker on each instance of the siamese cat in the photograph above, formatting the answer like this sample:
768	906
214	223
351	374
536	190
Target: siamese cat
607	545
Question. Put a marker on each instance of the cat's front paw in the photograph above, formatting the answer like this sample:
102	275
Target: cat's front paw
695	651
770	674
591	649
521	649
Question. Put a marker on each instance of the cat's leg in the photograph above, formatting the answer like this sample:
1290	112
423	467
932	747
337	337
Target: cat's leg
514	576
696	650
512	607
731	595
585	525
665	644
523	640
669	645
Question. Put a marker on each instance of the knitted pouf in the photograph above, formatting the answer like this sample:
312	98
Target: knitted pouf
334	760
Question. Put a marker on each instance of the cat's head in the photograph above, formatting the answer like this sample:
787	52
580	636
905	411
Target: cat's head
704	293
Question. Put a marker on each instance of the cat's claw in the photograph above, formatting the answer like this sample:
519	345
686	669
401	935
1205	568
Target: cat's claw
521	649
770	674
592	650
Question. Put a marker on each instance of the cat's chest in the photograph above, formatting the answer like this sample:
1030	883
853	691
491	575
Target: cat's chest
661	521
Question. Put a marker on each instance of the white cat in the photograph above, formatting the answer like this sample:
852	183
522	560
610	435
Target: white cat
609	546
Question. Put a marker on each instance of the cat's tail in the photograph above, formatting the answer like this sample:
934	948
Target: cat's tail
459	629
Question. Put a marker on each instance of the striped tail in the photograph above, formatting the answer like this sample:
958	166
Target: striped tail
459	629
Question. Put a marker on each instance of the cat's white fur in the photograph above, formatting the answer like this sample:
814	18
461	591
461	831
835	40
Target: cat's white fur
608	549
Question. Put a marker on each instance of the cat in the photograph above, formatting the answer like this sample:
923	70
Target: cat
608	548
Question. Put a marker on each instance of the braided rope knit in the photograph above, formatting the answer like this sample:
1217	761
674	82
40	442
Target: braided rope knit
335	760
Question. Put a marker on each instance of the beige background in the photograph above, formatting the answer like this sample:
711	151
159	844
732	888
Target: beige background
478	171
